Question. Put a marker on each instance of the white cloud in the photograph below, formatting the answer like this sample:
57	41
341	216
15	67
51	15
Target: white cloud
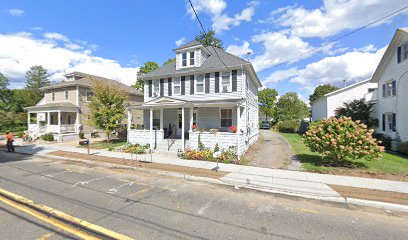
221	20
351	66
20	51
180	41
278	48
56	36
335	16
15	12
240	51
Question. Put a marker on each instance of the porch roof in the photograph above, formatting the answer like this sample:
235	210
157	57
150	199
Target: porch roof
169	102
62	106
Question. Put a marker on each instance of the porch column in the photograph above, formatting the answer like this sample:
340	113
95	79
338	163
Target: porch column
161	119
48	121
151	128
38	120
238	118
28	120
129	119
182	129
59	121
191	119
77	121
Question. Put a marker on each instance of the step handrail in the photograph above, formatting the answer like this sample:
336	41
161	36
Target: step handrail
172	138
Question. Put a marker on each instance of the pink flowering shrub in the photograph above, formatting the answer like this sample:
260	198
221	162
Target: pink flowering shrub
342	139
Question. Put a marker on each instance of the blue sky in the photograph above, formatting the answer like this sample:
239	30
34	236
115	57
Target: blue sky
113	38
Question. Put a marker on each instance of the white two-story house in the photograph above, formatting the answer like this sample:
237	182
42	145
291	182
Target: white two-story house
198	99
392	78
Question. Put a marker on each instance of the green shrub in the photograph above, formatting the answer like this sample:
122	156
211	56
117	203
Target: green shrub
48	137
134	149
342	139
404	148
20	134
82	135
385	141
288	126
110	148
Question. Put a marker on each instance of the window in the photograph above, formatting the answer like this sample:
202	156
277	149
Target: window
195	118
226	82
200	84
156	88
226	117
69	119
184	59
389	88
177	86
405	51
156	119
89	95
66	93
390	121
192	59
53	96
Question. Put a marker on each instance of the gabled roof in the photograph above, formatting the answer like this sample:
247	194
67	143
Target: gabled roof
348	87
189	44
400	33
212	63
85	80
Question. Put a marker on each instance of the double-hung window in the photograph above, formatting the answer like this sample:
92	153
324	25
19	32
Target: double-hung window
390	119
389	88
89	95
177	86
200	83
66	93
184	59
226	82
226	118
156	88
53	96
192	59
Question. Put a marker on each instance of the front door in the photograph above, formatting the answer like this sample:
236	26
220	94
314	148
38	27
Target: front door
69	120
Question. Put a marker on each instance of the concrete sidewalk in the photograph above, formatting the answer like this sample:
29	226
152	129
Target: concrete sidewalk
296	183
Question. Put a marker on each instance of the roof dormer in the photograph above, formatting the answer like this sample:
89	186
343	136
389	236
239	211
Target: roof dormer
191	54
74	76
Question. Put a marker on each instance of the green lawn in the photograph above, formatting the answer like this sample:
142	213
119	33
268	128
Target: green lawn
104	145
389	164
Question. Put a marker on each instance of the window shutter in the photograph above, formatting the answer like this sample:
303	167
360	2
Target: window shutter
183	85
394	88
217	82
383	122
394	122
150	88
192	84
383	90
398	54
169	86
207	83
161	87
234	80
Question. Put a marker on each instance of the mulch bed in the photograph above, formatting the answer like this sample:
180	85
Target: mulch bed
371	194
156	166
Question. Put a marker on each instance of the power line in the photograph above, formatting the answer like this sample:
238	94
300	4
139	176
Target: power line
195	13
336	39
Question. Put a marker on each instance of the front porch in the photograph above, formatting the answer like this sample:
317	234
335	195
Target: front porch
55	120
194	124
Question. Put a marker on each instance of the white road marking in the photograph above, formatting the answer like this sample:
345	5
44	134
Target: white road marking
114	190
203	208
82	183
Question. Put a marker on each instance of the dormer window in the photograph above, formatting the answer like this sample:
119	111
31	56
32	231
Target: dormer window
192	59
184	59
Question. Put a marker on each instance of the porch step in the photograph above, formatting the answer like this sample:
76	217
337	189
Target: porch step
163	147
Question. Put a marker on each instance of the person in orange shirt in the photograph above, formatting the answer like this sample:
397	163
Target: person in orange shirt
10	139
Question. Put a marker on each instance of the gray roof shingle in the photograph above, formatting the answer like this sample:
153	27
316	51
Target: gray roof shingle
212	62
86	81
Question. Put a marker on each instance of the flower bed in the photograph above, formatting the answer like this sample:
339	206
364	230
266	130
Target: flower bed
228	155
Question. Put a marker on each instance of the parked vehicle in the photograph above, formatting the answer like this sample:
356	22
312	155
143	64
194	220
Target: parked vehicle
265	125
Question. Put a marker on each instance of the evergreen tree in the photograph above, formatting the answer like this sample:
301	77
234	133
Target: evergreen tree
209	39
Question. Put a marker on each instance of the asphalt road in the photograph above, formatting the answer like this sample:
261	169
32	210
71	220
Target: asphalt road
150	206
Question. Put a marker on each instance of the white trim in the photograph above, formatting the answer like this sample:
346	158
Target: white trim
182	129
230	82
232	117
77	96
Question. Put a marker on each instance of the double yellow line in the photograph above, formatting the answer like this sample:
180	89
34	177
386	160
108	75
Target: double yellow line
76	226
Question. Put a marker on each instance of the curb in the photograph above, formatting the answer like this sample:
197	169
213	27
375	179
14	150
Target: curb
335	199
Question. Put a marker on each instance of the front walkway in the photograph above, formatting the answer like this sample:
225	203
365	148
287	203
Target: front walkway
305	184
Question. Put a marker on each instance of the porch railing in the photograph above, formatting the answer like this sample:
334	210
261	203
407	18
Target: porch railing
172	138
67	128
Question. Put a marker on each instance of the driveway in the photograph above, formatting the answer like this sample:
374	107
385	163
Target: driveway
271	151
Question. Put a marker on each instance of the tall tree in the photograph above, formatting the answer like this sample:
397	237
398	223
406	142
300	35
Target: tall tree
107	107
37	77
147	67
209	39
170	60
322	90
358	110
267	102
5	93
291	108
